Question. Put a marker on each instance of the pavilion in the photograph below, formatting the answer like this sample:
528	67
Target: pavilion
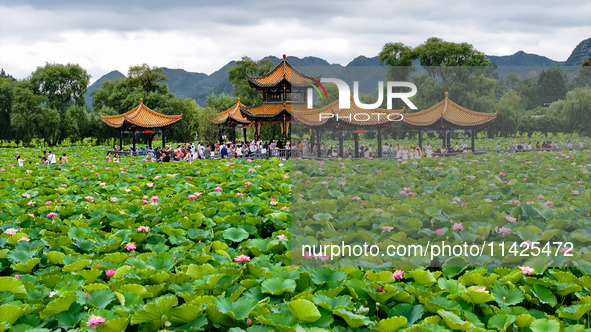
141	120
232	117
281	90
447	117
354	120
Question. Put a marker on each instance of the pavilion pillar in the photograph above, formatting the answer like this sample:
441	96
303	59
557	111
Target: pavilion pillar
244	133
256	131
356	135
311	141
120	139
341	142
234	134
420	139
134	140
448	140
318	134
163	139
472	138
379	136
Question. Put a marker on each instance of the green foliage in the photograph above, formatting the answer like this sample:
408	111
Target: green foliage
238	74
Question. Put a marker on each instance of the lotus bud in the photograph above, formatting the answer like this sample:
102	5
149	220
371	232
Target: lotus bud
249	321
86	295
98	265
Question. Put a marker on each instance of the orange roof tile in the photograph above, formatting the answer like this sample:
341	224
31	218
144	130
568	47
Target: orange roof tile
284	70
231	113
354	115
450	112
141	116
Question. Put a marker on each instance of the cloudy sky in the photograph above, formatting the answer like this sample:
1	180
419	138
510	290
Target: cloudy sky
202	36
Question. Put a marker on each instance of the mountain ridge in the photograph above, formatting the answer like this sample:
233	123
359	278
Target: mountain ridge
366	70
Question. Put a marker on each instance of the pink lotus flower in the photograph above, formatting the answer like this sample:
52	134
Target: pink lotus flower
439	231
540	197
308	181
481	290
549	203
156	178
130	246
218	189
457	227
24	238
94	321
505	181
526	270
52	293
145	202
380	289
386	229
239	194
411	194
524	179
155	198
51	215
11	231
463	204
566	251
114	199
248	184
25	195
502	174
308	255
139	176
192	196
488	200
48	203
102	184
127	190
356	198
281	237
575	193
504	230
241	258
250	170
31	203
84	179
145	229
511	219
273	202
398	274
16	276
149	184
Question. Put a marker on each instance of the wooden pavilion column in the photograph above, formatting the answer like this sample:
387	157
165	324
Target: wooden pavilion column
163	139
311	141
234	134
420	139
318	134
379	134
120	139
257	134
244	132
356	135
448	140
134	140
472	132
341	142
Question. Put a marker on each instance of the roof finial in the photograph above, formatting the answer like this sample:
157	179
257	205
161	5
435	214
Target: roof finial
238	100
446	94
141	100
283	56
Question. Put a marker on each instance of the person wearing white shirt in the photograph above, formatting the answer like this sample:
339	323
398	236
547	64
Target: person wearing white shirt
51	158
21	161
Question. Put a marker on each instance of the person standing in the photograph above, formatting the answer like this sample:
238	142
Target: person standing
224	152
21	161
51	158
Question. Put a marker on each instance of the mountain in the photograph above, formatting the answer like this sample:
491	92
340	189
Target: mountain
111	76
581	53
367	71
522	59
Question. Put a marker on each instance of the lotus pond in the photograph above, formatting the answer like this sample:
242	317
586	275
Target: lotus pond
207	246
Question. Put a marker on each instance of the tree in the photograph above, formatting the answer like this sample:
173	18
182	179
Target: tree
399	58
507	121
241	71
551	86
6	98
583	78
577	107
435	54
63	87
26	112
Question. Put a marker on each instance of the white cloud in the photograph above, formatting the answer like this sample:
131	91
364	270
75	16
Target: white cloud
202	36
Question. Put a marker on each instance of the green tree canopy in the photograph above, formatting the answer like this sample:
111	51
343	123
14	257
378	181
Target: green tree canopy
239	73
